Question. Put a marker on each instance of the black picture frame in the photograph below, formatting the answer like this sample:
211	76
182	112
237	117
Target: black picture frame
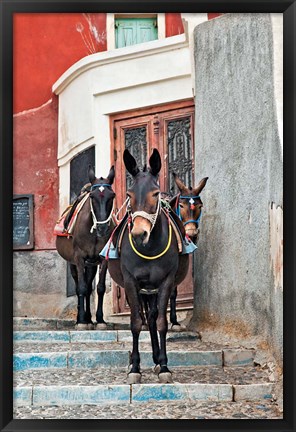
23	222
7	9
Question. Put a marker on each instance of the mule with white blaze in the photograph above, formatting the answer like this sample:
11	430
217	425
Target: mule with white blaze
187	204
150	264
92	230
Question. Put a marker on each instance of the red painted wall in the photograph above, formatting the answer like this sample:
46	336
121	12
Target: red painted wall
45	46
213	15
35	167
173	24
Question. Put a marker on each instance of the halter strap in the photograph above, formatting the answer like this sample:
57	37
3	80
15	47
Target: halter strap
151	217
178	211
188	197
194	220
99	185
95	221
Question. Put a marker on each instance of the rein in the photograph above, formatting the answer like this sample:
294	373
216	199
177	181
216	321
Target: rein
146	256
191	201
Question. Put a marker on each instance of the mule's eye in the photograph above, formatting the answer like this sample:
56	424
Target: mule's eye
128	195
156	194
181	205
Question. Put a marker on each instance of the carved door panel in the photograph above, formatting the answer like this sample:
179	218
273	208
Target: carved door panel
168	128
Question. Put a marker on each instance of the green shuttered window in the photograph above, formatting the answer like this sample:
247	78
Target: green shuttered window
132	31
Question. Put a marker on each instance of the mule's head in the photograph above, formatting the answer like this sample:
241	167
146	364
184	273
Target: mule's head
188	205
101	196
144	195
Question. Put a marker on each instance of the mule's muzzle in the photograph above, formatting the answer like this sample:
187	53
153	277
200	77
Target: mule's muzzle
192	231
140	239
141	231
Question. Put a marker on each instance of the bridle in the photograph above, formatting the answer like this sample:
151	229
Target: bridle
95	221
191	202
151	217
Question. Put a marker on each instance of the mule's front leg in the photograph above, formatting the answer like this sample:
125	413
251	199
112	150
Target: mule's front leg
152	316
165	375
101	288
173	314
134	375
133	299
89	273
81	295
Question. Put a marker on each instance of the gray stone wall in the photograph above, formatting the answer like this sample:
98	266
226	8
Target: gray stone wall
237	281
39	283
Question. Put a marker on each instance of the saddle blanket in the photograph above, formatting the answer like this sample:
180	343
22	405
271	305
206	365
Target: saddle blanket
59	229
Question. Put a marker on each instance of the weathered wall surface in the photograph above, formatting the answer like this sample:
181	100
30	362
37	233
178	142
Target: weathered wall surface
238	268
39	286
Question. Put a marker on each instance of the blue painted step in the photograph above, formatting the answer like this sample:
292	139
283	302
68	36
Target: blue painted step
108	358
136	393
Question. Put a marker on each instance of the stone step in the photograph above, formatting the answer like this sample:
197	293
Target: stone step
90	358
60	349
106	358
99	394
101	387
73	336
24	323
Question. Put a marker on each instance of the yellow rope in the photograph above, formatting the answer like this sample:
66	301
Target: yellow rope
152	257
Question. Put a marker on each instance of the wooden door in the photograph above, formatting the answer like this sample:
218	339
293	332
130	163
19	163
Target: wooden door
169	128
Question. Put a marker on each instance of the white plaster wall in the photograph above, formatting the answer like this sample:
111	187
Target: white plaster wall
154	73
190	21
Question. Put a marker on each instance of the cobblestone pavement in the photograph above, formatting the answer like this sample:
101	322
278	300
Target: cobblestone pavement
191	375
159	410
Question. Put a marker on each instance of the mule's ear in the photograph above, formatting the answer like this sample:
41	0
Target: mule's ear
200	186
155	162
182	188
173	201
130	163
111	175
91	174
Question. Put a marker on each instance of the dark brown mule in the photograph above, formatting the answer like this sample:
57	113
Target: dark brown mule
92	230
150	265
188	207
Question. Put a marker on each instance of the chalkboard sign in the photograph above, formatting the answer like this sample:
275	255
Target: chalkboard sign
23	236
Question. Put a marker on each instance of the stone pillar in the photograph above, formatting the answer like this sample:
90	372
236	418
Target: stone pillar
238	266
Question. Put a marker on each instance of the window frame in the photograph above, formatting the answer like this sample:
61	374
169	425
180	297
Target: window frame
111	26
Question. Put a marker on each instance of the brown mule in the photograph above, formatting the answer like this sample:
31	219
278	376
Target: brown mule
92	230
188	206
150	265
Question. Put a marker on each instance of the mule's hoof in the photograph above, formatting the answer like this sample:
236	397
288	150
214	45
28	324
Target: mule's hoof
144	327
178	328
156	369
90	326
81	326
134	378
165	377
101	326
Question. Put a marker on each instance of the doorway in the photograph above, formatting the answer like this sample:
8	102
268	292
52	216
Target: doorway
168	128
